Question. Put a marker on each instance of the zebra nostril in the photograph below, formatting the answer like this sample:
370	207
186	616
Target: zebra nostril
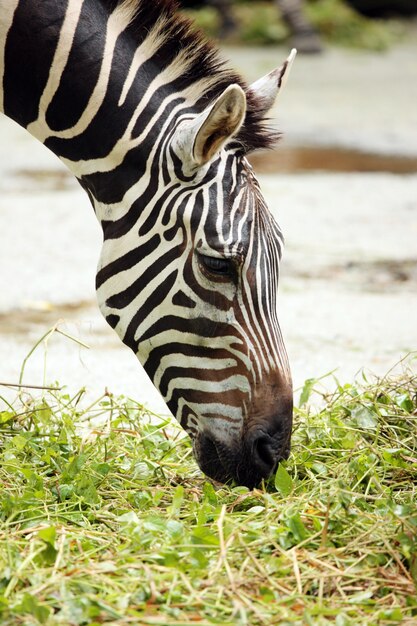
264	453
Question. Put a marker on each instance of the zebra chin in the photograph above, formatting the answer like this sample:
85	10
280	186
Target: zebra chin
248	462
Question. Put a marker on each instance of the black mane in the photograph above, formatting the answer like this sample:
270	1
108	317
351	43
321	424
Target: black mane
180	34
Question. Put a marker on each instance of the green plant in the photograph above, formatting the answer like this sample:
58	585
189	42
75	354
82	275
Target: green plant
260	23
105	518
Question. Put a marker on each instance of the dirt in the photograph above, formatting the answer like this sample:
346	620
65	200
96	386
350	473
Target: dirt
295	159
37	315
342	184
371	276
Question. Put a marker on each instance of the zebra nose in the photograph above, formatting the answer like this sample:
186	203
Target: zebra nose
266	449
268	437
264	453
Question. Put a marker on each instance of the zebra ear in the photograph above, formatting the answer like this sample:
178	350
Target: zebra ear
266	88
201	139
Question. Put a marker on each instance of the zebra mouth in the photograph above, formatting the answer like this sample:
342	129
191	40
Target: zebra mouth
246	466
209	460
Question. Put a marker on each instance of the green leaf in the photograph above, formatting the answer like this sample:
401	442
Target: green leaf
129	518
75	465
6	416
102	468
283	481
205	536
31	606
306	391
177	500
404	402
394	615
65	491
267	594
48	535
361	597
309	388
19	442
255	510
209	493
365	418
297	527
319	468
174	528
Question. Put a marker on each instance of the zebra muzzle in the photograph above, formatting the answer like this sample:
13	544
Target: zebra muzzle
246	463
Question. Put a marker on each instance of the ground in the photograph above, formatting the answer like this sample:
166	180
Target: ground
348	297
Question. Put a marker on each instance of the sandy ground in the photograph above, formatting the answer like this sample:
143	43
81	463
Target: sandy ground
348	297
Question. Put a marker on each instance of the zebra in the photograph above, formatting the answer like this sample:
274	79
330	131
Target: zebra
156	129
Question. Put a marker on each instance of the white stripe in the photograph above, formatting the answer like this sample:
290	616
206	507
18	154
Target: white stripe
214	408
171	335
228	384
116	24
178	359
39	128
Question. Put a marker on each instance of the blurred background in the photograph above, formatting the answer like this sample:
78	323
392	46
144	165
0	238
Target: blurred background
342	183
307	24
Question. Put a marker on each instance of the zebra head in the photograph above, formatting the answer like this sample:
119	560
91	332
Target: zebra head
156	129
195	297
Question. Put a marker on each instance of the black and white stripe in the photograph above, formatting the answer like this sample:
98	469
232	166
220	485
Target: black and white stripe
157	130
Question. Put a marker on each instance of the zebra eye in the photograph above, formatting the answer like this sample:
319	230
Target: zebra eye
216	265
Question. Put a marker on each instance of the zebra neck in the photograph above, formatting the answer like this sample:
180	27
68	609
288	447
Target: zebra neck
102	82
70	76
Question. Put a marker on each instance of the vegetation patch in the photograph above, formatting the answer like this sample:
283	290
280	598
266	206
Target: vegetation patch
260	23
105	518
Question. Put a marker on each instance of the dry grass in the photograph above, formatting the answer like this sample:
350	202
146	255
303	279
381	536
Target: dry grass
118	526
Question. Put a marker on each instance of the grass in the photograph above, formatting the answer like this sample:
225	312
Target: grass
105	518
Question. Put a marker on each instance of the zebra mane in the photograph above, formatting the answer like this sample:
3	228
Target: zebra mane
199	66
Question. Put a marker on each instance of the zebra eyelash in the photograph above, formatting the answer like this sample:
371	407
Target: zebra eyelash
216	266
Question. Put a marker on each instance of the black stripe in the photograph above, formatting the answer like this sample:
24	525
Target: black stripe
124	298
188	350
84	61
148	307
112	320
200	327
235	399
181	299
213	375
29	51
127	261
